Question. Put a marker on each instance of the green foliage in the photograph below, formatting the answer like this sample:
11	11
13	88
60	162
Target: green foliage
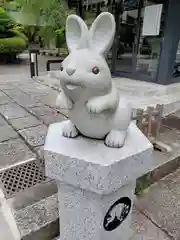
12	41
13	45
8	5
20	34
44	18
43	21
32	33
49	13
3	3
19	28
31	11
55	13
60	37
6	22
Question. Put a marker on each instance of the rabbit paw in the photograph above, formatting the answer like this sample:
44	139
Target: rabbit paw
69	130
115	139
94	106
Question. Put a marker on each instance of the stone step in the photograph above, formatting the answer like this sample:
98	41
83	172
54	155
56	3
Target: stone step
164	162
35	212
161	204
40	221
140	94
35	209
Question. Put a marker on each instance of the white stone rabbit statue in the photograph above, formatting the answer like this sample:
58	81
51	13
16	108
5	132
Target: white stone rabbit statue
95	107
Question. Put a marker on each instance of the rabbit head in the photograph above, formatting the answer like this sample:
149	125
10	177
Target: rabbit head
85	66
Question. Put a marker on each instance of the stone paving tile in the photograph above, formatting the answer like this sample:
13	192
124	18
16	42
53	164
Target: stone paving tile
40	93
52	118
4	99
35	136
3	121
14	78
13	92
13	110
6	86
13	152
42	110
7	132
63	111
33	94
29	84
25	122
49	81
145	229
35	89
49	99
22	98
36	216
27	101
162	204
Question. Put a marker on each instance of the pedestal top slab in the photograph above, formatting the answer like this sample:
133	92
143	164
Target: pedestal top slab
89	164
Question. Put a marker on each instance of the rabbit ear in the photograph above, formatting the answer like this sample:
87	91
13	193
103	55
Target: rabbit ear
102	33
76	33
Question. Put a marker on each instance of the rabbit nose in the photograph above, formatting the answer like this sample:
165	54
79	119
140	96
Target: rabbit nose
70	71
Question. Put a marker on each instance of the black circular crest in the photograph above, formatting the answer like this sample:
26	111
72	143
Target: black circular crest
117	213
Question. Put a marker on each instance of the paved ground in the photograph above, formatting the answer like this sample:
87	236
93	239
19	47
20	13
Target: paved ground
22	66
26	110
162	205
139	94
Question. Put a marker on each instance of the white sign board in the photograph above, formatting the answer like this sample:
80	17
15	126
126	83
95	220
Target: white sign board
152	20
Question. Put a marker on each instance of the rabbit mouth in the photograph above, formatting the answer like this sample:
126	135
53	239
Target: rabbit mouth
72	86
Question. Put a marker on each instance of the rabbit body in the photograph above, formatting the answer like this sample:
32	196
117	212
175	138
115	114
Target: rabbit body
95	107
96	125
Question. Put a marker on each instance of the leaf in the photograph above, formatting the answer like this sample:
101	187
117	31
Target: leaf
50	15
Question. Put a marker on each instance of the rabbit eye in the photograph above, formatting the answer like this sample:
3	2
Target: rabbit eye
95	70
61	68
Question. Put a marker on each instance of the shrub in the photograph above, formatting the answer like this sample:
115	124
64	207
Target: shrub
19	28
60	37
43	18
12	41
5	22
13	45
20	34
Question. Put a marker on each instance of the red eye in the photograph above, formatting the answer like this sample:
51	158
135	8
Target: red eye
95	70
61	68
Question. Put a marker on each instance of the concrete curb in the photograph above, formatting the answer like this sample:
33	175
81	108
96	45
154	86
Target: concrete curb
39	221
8	222
38	218
165	163
35	212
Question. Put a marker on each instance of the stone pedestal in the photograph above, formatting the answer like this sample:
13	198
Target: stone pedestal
96	183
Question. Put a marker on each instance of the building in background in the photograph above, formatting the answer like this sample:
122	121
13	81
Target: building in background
151	41
146	46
